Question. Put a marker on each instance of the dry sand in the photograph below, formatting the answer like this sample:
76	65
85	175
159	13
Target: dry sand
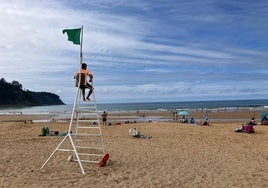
177	155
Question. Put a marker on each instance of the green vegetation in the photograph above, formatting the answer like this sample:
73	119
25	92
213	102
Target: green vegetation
13	94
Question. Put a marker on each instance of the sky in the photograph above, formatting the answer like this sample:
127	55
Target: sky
139	50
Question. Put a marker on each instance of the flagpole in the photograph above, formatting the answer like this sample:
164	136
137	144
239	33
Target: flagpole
74	106
81	53
79	81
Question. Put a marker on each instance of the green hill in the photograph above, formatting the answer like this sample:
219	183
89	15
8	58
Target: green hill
13	94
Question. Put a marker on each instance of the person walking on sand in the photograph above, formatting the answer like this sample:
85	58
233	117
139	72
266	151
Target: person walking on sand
85	74
175	116
104	117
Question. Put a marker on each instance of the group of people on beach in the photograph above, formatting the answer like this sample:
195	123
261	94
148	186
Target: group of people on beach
191	121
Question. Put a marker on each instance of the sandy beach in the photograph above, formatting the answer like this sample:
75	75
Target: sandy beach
177	155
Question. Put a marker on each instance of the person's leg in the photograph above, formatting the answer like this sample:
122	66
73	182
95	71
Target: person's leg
83	92
105	121
90	90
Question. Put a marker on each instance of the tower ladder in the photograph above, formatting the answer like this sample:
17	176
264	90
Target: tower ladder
84	134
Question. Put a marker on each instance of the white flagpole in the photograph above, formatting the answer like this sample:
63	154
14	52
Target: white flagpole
81	44
74	106
78	86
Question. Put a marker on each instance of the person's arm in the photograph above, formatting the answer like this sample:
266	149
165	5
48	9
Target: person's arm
91	77
76	75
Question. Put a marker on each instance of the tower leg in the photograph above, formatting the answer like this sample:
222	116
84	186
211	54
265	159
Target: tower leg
58	148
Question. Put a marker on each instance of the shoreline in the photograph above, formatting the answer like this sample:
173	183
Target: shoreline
141	116
191	106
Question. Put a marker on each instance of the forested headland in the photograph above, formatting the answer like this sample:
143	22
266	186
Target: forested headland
13	94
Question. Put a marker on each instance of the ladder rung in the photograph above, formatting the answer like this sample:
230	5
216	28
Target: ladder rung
91	154
86	111
88	120
65	149
86	147
91	100
86	107
78	140
89	114
88	127
85	134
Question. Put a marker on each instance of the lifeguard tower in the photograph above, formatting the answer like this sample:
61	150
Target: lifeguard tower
84	140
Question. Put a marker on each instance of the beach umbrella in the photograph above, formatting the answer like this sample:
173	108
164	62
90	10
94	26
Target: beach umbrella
264	114
184	113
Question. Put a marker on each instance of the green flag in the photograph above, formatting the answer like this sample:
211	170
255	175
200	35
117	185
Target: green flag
73	35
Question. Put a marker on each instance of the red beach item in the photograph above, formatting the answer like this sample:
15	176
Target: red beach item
104	160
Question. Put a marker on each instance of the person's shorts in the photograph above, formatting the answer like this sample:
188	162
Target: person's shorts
87	86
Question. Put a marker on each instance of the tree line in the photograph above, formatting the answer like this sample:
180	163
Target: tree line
13	94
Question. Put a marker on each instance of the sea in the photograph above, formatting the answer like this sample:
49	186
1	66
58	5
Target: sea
219	105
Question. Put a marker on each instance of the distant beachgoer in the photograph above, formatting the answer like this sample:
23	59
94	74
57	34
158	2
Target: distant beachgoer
28	121
205	122
252	121
104	117
247	127
136	134
84	80
184	120
175	116
192	120
206	116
